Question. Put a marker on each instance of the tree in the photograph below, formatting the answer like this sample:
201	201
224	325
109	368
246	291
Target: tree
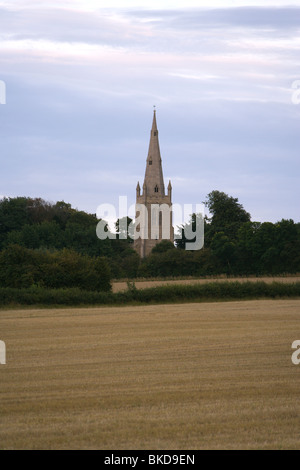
13	215
224	250
172	262
186	231
22	267
228	215
287	242
39	235
124	229
247	260
163	246
17	267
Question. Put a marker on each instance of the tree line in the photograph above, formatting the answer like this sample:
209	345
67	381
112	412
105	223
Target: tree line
54	245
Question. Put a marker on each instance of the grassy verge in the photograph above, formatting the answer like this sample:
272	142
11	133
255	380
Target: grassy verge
214	291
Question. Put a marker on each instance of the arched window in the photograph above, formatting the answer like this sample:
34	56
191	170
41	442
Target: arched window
150	161
156	189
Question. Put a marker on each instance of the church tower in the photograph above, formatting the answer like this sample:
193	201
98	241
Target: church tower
153	206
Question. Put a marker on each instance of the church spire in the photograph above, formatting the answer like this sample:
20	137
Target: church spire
154	180
152	220
154	125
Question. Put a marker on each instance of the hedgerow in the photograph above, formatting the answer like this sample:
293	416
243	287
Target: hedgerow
214	291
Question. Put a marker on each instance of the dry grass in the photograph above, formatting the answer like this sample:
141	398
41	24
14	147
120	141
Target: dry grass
118	286
192	376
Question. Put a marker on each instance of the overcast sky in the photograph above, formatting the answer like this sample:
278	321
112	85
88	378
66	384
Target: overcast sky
82	78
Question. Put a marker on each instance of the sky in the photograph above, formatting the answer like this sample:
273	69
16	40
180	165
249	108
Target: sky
81	78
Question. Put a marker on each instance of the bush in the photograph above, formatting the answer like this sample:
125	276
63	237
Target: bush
21	267
215	291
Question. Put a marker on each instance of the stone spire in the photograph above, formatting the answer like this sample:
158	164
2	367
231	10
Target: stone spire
151	223
154	180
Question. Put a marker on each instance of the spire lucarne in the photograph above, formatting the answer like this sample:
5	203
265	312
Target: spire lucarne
150	227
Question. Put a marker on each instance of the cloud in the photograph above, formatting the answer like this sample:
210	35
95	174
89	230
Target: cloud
82	81
264	19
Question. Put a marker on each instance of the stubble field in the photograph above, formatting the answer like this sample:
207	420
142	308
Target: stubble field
192	376
119	286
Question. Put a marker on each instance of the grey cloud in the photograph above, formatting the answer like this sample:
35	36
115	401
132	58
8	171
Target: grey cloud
66	120
252	17
61	25
104	27
201	31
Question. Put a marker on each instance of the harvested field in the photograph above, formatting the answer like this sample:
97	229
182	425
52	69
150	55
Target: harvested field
192	376
118	286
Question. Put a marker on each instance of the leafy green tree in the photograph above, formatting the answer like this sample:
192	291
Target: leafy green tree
265	238
205	262
39	210
13	215
22	267
228	215
172	262
39	235
62	212
185	231
269	261
124	229
163	246
288	246
247	259
125	265
225	251
102	274
52	244
18	267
